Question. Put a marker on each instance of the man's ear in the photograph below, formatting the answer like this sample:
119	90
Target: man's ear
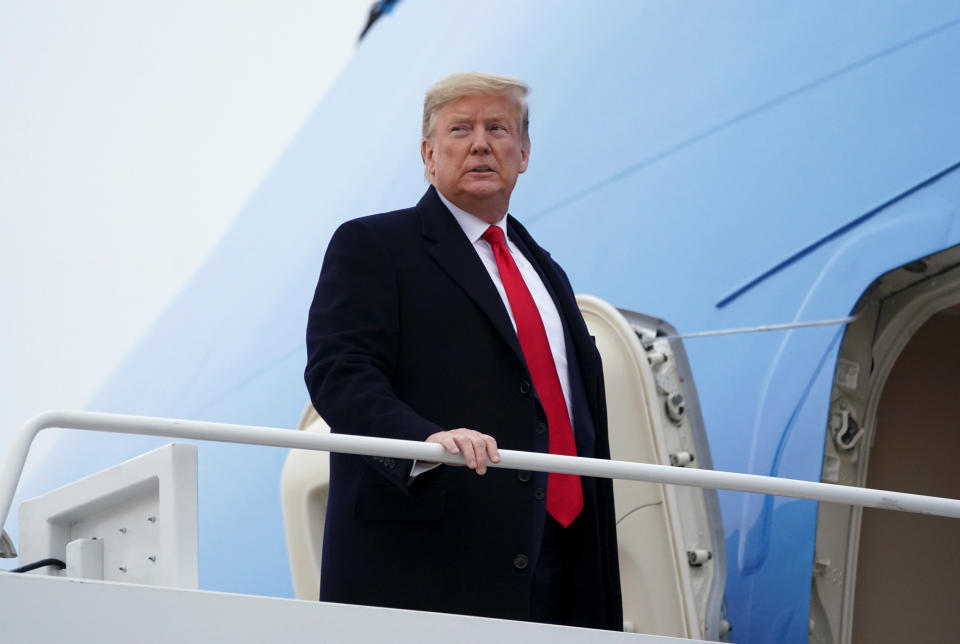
426	153
524	159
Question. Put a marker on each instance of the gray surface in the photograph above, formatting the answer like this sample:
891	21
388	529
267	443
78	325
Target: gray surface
88	611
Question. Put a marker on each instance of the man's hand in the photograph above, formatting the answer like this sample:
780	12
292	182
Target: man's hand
474	446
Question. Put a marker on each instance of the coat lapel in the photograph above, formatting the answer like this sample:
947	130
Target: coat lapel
453	252
590	367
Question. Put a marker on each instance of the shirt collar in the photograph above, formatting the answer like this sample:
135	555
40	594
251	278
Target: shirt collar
473	227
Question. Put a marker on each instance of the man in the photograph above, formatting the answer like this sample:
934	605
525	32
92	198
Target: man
447	323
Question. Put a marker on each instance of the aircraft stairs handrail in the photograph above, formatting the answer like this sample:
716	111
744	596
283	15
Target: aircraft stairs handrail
509	459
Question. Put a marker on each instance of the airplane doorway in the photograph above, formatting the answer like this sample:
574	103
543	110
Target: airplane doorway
881	576
908	567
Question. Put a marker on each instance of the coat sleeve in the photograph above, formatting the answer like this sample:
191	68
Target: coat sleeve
353	343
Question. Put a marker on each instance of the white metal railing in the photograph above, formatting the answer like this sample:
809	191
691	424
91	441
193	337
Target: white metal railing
509	459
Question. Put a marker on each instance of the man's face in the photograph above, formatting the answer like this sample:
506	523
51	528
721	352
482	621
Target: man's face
474	154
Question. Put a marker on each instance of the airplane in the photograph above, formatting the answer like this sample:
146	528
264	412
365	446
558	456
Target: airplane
767	193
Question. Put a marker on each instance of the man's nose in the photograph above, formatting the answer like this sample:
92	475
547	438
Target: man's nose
479	143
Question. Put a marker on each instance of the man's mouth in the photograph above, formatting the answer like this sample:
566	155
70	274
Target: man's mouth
482	168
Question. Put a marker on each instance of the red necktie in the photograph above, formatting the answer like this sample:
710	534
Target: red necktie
564	494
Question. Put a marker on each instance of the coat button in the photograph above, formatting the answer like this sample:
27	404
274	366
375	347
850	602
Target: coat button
523	476
525	387
541	428
520	562
539	494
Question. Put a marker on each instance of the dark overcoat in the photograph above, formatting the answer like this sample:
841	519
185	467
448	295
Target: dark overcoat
407	336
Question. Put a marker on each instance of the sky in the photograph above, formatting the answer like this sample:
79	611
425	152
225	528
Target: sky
131	134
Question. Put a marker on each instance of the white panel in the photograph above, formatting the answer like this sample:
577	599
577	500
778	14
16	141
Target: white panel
143	511
107	612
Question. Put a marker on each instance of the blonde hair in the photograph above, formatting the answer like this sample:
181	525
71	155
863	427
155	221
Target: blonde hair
457	86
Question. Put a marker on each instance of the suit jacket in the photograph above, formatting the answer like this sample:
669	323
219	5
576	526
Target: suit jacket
407	336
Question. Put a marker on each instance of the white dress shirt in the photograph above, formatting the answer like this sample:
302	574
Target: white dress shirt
474	227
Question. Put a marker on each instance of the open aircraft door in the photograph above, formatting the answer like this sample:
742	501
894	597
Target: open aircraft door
672	562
